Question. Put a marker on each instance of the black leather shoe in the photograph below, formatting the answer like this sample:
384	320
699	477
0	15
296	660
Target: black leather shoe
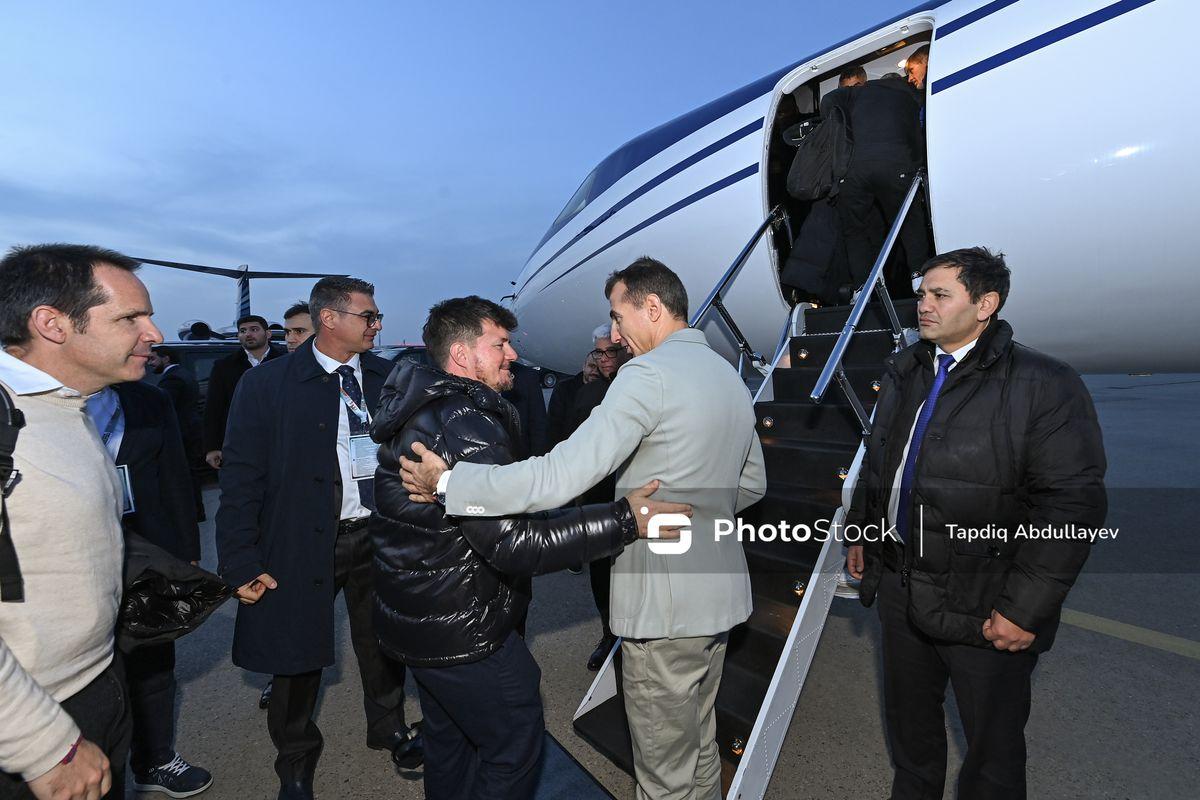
407	746
296	790
264	699
596	659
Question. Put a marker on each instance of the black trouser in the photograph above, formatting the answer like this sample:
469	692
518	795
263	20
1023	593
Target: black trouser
151	675
880	180
991	687
101	710
483	726
294	697
600	572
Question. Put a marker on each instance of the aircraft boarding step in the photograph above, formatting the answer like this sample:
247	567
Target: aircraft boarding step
809	449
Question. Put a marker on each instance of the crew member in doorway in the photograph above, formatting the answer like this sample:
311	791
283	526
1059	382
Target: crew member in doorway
884	119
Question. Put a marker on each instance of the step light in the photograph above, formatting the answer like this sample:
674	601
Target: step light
843	473
798	588
875	386
738	747
768	422
802	354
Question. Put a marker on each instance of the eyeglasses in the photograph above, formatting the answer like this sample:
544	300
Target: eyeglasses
609	352
369	317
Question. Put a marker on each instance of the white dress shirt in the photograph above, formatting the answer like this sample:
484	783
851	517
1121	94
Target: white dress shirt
24	378
352	507
894	500
255	361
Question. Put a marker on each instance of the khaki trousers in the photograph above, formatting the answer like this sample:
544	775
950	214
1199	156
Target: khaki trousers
670	690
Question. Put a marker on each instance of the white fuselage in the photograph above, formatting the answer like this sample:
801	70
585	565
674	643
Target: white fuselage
1059	133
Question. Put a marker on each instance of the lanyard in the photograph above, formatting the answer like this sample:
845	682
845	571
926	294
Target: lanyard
361	413
111	427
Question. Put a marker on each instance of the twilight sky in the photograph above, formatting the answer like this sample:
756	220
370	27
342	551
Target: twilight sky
425	147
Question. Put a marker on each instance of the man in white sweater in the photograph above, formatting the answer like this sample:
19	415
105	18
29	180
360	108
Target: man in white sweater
73	319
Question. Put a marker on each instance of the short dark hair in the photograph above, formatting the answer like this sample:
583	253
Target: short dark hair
648	276
298	307
252	318
56	275
334	292
168	351
460	319
850	73
979	269
920	55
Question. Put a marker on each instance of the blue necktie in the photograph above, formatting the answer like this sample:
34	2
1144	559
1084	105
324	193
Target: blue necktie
904	507
358	425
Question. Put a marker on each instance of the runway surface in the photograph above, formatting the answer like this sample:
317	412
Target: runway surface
1115	712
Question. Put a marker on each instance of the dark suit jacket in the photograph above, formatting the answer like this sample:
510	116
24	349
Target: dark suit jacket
884	117
527	396
221	384
181	386
152	448
558	414
280	502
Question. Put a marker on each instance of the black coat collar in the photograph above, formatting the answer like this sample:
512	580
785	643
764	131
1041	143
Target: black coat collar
994	342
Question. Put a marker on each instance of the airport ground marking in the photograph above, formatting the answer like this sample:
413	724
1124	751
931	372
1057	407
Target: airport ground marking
1132	633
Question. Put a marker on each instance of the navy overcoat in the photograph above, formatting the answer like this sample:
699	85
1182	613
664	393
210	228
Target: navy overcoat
280	498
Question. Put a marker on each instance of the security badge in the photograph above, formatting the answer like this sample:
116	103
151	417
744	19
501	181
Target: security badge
364	457
364	453
127	506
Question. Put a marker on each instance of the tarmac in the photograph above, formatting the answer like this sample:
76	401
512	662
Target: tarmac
1116	708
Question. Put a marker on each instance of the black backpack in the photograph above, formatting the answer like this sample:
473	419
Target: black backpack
12	588
821	160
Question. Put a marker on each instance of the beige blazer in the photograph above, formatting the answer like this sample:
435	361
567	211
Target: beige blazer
678	413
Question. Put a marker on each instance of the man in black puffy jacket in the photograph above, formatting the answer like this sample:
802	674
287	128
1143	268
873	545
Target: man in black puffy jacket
984	463
450	592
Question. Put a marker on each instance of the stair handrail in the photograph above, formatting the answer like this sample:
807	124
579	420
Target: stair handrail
833	365
714	299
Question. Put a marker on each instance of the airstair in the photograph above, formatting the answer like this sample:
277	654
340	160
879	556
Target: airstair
812	446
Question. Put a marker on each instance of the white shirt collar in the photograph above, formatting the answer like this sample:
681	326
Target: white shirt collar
330	365
958	354
255	361
25	378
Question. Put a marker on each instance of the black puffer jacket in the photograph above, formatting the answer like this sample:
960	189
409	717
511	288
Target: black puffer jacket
1013	441
449	590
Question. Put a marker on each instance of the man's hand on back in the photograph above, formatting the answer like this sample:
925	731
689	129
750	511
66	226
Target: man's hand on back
420	477
645	509
87	776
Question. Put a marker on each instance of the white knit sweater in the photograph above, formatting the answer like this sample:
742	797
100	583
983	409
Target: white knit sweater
65	516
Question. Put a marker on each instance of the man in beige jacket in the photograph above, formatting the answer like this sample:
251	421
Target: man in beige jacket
679	413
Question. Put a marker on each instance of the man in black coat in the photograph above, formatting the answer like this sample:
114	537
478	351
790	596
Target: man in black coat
608	358
297	491
451	593
255	340
884	119
983	458
137	425
183	389
527	397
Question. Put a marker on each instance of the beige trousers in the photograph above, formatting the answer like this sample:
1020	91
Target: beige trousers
670	697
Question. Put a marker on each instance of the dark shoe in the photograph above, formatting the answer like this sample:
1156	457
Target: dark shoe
176	778
296	790
407	746
264	699
596	659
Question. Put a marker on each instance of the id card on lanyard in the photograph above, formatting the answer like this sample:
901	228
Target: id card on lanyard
364	453
127	506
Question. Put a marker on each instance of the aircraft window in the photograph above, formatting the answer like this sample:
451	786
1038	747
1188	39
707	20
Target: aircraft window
577	202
